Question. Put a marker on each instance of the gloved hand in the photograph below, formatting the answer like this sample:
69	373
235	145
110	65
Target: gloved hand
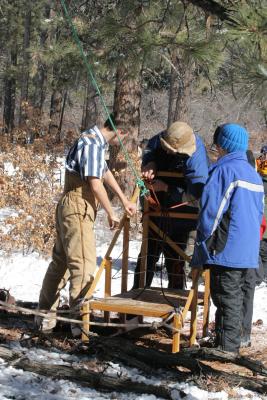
159	186
192	201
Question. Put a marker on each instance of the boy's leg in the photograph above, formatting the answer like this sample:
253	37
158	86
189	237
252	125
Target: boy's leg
55	279
227	296
247	307
77	222
263	255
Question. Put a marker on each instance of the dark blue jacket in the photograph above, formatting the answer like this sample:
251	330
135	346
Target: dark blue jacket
228	231
194	168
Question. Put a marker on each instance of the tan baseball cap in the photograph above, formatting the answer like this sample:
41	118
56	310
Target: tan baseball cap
179	138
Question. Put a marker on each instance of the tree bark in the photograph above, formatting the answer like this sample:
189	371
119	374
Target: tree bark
88	376
55	113
148	360
180	88
56	97
125	351
60	135
90	108
25	69
10	93
41	75
215	355
127	100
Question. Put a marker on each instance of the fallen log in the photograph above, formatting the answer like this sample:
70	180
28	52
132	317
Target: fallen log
149	360
125	351
83	375
188	358
216	355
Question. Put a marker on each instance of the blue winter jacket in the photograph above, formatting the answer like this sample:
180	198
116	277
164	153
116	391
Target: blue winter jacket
228	231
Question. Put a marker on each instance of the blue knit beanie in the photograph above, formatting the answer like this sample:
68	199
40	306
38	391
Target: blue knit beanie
233	137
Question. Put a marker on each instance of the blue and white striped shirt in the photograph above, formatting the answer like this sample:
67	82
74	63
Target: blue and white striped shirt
87	156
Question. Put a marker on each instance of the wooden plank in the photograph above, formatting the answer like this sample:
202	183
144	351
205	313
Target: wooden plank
103	262
172	244
159	295
85	318
170	174
121	224
143	263
133	307
188	304
172	214
206	302
150	301
108	267
110	248
125	256
107	291
176	335
193	323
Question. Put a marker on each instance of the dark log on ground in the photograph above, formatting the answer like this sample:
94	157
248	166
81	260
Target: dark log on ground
188	358
215	355
188	365
125	351
85	376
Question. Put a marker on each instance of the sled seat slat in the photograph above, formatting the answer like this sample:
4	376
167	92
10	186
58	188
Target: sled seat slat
130	306
150	302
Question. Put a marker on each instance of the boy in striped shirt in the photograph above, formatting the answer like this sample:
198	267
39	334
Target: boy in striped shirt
74	253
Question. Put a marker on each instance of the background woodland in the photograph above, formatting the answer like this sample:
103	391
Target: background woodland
155	62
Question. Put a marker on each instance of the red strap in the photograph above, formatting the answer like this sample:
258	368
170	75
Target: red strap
263	227
179	205
154	202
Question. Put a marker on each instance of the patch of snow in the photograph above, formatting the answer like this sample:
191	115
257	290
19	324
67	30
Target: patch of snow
23	275
9	169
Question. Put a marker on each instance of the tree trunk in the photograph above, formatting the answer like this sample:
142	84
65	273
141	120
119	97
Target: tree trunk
180	88
41	75
10	94
90	108
57	96
127	99
55	112
60	135
25	69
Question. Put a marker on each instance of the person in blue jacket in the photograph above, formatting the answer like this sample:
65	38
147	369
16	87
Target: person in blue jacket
177	149
228	231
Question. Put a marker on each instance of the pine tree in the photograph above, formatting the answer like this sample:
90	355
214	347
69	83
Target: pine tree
247	49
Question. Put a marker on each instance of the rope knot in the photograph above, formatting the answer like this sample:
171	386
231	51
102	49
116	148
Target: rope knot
155	325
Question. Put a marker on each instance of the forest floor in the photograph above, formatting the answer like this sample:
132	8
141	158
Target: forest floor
19	328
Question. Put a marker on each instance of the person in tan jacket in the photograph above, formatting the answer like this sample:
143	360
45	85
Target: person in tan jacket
74	252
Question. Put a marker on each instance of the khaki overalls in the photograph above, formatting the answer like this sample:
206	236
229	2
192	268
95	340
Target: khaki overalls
74	253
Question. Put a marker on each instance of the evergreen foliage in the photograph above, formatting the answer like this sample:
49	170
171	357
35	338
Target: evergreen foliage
141	35
248	50
131	45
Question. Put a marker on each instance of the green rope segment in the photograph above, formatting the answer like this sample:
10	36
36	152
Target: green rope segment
139	182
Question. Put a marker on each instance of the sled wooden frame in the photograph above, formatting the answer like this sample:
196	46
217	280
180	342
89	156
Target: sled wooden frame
149	302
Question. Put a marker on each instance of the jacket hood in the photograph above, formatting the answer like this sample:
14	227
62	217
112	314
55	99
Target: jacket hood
236	155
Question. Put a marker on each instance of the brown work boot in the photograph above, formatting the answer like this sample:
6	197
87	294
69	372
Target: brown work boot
76	330
44	324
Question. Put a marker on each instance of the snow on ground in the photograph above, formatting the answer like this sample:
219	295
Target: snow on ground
23	275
